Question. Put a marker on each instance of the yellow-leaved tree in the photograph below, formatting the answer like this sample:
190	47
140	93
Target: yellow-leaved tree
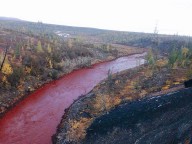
28	70
185	58
7	69
50	64
184	51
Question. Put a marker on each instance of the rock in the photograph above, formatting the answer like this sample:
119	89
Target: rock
30	89
2	109
117	82
95	61
85	115
188	83
110	57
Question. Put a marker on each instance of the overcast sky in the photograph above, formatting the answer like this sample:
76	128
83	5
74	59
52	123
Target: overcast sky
170	16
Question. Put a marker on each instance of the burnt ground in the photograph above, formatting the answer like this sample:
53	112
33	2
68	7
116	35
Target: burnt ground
162	119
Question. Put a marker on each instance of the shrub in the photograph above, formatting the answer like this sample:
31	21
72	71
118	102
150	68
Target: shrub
150	58
173	58
14	78
54	74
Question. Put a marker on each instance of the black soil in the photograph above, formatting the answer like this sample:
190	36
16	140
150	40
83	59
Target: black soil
156	120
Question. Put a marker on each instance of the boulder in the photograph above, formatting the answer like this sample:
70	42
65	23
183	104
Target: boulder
188	83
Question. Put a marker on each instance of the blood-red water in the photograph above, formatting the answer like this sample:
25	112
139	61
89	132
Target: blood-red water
34	120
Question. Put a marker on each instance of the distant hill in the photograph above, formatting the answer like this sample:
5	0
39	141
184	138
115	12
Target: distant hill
10	18
162	42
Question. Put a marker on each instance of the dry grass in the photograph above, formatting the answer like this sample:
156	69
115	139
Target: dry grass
77	130
105	102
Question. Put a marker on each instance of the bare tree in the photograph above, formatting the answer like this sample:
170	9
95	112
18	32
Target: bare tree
155	42
6	50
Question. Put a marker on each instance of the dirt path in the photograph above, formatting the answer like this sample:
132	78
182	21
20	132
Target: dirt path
34	120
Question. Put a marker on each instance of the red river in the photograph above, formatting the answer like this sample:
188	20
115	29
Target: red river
34	120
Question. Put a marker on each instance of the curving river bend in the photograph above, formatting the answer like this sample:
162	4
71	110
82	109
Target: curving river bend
35	119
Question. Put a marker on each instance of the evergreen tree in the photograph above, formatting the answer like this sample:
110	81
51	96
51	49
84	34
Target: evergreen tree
17	51
39	47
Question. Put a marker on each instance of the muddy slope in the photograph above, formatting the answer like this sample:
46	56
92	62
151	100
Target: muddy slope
162	119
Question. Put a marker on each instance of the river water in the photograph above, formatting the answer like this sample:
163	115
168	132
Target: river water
35	119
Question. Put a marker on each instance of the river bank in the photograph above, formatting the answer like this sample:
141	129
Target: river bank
124	87
34	120
9	98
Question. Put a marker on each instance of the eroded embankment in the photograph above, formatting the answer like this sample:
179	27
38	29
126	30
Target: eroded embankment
34	120
163	119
